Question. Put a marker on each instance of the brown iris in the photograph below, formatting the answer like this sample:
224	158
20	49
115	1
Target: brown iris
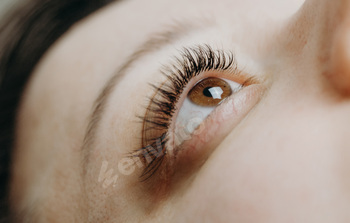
210	92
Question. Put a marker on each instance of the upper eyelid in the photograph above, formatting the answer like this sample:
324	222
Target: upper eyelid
200	57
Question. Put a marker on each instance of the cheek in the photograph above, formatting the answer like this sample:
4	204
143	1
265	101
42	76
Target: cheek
270	169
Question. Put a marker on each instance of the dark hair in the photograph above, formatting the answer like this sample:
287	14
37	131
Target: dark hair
26	32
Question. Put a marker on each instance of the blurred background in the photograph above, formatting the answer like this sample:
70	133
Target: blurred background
4	4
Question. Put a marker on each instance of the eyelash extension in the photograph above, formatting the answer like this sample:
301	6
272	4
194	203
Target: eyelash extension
192	62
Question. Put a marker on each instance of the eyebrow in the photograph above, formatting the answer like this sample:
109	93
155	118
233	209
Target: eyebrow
155	43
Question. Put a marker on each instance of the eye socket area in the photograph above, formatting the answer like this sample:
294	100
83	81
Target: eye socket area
159	122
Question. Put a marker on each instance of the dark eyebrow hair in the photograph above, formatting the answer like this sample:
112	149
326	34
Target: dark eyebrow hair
156	42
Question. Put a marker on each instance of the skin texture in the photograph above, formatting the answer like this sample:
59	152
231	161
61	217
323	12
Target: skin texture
284	160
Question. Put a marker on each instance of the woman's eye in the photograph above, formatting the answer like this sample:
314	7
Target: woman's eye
210	92
178	106
201	100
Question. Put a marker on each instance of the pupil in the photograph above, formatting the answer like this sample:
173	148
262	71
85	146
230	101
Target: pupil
207	93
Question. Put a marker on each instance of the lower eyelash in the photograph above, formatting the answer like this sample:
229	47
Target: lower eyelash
159	113
153	156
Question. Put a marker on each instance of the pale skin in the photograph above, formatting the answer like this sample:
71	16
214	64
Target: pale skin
285	158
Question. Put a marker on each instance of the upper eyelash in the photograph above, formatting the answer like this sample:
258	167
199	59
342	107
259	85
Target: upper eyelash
192	62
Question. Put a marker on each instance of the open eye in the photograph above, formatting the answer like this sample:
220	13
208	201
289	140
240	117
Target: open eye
201	100
210	92
178	107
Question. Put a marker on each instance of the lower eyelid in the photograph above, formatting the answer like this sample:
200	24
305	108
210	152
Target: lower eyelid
216	126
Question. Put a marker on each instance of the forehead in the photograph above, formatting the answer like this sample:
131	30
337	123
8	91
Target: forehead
113	33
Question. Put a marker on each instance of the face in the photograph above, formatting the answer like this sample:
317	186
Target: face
190	111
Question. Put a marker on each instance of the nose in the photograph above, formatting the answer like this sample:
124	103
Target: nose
321	30
339	68
332	29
